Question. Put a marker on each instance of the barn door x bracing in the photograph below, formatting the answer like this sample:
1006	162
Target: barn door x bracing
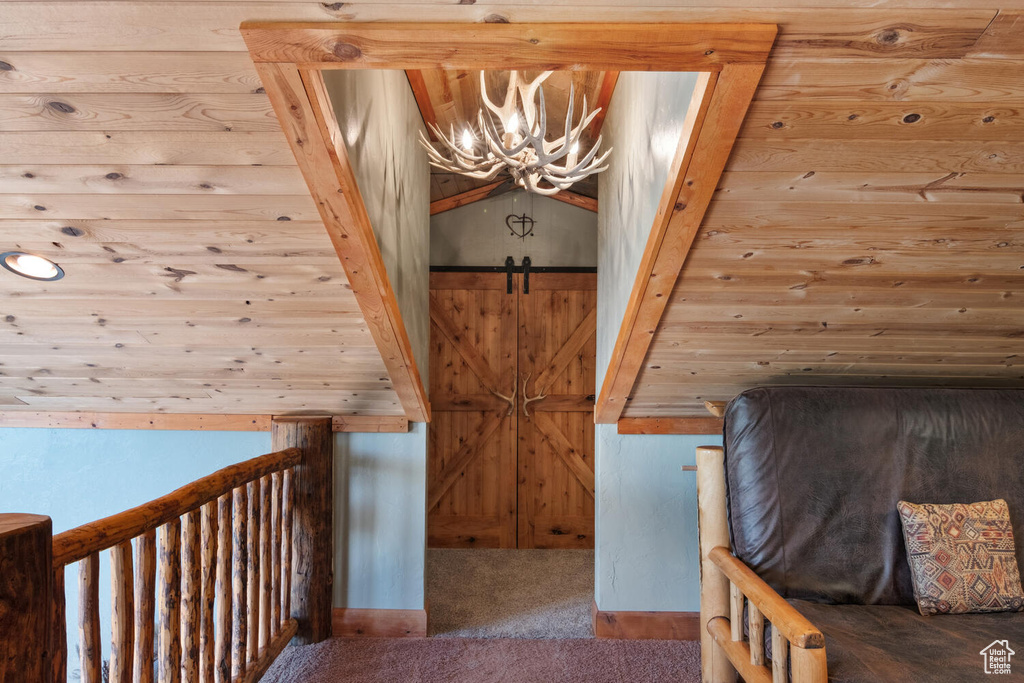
511	385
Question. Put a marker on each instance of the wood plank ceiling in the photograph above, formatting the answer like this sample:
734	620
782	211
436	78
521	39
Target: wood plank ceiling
867	228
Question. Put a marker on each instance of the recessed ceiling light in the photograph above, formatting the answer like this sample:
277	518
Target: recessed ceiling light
31	266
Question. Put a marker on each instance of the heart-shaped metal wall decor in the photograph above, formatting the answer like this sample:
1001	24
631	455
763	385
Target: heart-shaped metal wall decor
524	224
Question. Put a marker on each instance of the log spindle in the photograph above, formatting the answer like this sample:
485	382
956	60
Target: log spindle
275	556
191	595
122	615
286	545
90	650
239	580
780	657
253	588
736	611
145	603
756	629
208	592
169	604
59	629
266	568
222	667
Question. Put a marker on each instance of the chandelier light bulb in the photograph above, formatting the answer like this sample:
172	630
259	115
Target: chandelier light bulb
522	150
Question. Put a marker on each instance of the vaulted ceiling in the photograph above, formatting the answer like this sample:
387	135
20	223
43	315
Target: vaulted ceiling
867	228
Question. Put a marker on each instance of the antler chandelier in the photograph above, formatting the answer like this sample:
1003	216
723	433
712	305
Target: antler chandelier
521	145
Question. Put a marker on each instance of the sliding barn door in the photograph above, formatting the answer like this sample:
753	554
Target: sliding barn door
471	473
511	390
557	350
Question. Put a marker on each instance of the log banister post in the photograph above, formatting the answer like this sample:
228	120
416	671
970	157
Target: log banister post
312	494
26	586
713	526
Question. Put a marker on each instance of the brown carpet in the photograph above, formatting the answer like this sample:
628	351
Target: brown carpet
471	660
488	593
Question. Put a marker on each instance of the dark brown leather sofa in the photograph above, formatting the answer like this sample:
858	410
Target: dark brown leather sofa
811	479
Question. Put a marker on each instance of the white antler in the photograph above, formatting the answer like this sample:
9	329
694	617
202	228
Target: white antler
526	399
521	145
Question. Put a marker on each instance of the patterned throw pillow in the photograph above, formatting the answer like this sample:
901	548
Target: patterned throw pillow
962	557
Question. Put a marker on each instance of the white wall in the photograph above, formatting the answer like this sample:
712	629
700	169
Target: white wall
646	535
379	119
476	234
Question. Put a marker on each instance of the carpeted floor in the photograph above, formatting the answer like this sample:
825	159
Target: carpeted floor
508	616
470	660
484	593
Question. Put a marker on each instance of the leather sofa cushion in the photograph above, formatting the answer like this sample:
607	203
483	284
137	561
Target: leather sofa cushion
895	644
814	474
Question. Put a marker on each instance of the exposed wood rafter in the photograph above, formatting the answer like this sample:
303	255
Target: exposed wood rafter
188	422
716	114
670	425
455	201
302	105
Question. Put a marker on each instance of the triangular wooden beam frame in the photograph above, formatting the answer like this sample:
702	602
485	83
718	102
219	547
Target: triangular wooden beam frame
290	56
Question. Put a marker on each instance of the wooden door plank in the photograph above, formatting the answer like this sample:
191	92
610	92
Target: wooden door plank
304	114
471	449
474	359
570	349
565	449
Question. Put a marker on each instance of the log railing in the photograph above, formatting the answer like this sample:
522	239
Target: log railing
208	578
797	646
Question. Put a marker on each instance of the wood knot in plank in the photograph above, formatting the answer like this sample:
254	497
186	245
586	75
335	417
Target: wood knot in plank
346	52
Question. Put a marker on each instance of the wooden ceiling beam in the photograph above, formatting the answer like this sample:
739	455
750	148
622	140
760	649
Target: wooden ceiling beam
604	98
476	194
188	422
301	103
555	47
422	95
576	199
669	425
719	104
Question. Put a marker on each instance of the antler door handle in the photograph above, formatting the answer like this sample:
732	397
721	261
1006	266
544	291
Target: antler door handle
511	399
526	398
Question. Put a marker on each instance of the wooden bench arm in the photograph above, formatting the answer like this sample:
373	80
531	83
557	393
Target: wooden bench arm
783	616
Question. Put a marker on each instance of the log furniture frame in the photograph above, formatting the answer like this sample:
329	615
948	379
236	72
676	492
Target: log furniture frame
727	585
730	59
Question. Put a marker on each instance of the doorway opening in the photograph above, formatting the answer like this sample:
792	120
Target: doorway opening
292	60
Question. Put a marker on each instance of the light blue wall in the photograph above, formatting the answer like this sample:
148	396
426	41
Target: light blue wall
647	556
646	528
380	518
81	475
